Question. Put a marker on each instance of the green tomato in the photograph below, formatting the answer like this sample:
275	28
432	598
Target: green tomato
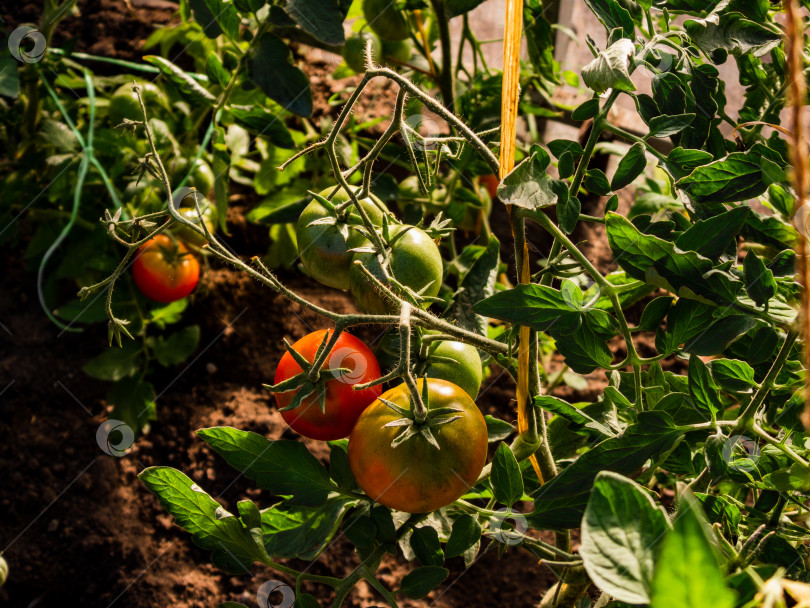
124	102
386	21
414	261
325	249
449	360
399	50
188	210
202	177
354	50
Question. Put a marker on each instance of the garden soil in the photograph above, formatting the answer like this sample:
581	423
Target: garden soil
78	528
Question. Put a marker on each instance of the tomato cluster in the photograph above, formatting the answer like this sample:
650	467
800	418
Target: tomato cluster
413	475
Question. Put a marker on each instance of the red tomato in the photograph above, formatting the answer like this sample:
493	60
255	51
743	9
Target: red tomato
343	405
164	270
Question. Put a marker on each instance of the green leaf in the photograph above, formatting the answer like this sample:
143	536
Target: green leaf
168	313
339	468
737	177
133	401
681	162
221	166
621	530
596	182
653	434
281	467
459	7
465	534
536	306
204	16
687	572
759	281
702	388
685	320
566	165
178	347
506	480
558	147
497	429
226	16
177	75
576	415
630	167
426	546
657	261
234	546
270	69
116	363
260	121
301	532
321	18
586	110
421	581
665	126
477	284
613	15
586	348
732	375
9	78
714	236
568	209
528	185
723	33
654	313
610	69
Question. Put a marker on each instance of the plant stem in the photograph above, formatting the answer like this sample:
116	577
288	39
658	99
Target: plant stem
446	77
767	382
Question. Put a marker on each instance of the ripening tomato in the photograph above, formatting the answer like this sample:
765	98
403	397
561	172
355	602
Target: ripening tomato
343	405
165	270
414	261
490	182
325	249
415	477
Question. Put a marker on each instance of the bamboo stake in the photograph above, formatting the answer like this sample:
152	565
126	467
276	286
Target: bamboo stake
794	46
509	105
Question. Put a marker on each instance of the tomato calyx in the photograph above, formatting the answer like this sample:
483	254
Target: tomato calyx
311	379
411	427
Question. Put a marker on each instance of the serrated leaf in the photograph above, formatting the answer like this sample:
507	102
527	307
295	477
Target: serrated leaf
613	15
270	69
281	467
687	550
630	167
506	479
536	306
301	532
759	281
181	77
621	531
528	185
611	68
465	534
321	18
426	546
177	347
116	363
260	121
213	528
477	284
667	125
702	388
421	581
723	33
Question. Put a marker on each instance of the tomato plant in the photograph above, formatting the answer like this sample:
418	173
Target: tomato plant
328	407
686	452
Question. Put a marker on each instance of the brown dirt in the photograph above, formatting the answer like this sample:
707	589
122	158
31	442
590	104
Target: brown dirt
78	524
